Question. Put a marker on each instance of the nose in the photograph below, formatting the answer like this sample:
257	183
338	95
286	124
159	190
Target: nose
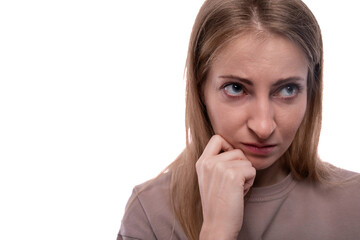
262	120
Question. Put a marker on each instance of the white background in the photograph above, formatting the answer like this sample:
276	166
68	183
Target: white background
92	103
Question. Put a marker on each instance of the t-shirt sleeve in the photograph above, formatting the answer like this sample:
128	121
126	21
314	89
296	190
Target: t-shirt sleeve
135	224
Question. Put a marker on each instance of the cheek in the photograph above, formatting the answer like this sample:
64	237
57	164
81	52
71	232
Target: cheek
215	110
226	120
290	122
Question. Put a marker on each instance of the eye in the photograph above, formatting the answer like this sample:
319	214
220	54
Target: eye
288	91
234	89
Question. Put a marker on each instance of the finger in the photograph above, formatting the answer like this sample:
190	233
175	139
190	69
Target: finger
216	145
235	154
243	169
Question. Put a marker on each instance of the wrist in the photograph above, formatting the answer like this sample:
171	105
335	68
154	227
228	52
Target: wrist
216	233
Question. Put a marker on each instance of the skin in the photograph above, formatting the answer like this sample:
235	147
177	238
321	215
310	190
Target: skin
255	96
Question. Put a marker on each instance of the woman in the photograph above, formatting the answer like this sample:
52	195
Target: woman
250	169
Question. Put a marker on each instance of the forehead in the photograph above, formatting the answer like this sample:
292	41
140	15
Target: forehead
252	55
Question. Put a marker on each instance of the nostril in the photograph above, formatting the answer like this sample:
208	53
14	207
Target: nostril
261	120
262	129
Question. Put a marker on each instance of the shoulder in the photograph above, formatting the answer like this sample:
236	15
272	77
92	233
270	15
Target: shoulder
327	209
340	192
149	213
154	189
339	174
337	181
345	183
340	180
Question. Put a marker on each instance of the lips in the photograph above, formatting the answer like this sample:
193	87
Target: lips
259	149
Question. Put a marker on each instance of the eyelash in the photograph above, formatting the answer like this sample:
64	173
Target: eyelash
223	88
298	88
233	84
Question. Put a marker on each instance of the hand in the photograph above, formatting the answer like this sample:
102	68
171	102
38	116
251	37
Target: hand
225	176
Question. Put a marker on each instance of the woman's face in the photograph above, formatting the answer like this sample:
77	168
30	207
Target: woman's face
255	95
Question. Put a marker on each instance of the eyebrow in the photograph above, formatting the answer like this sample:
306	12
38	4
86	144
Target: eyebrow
243	80
276	84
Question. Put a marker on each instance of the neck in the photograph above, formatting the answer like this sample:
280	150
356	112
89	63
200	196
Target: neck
271	175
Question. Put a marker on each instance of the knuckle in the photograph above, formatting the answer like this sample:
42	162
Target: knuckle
245	162
239	153
253	171
207	165
199	164
216	138
248	163
219	167
230	175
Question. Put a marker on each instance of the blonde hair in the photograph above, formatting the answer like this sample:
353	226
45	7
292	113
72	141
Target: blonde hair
219	22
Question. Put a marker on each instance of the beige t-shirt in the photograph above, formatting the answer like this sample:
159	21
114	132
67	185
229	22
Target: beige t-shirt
290	209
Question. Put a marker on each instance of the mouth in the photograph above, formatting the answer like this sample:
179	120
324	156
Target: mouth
259	149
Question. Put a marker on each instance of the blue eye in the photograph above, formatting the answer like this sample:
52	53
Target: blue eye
234	89
288	91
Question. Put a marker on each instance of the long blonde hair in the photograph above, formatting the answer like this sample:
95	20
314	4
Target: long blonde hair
219	22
